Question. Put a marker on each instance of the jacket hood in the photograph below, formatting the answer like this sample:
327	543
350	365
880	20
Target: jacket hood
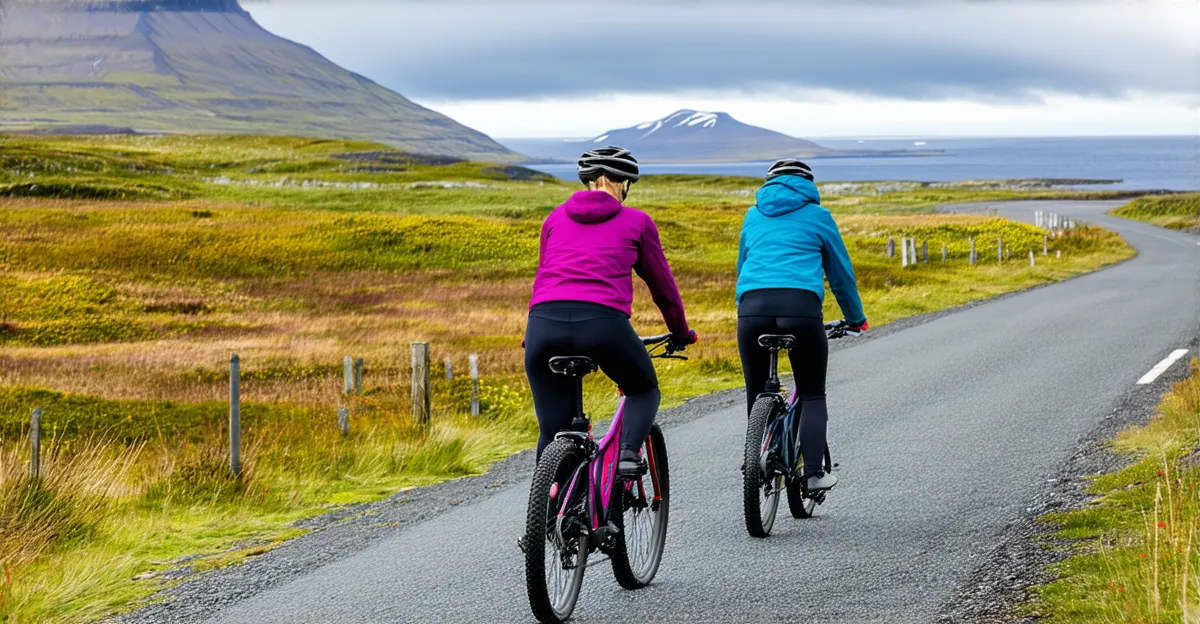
592	207
783	194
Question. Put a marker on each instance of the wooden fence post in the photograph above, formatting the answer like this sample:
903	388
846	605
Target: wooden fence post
449	369
925	251
35	445
347	375
999	250
903	252
891	248
912	247
235	415
973	255
358	375
474	359
420	382
1031	264
344	420
945	252
1045	245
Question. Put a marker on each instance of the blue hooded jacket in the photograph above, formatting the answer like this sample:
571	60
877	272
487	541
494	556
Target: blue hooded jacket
790	241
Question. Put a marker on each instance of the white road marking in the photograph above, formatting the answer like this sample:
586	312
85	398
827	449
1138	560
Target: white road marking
1162	367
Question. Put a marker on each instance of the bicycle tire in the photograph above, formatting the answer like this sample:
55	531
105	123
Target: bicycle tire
559	462
759	510
800	506
623	568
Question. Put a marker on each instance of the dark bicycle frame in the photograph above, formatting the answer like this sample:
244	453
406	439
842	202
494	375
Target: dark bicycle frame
784	428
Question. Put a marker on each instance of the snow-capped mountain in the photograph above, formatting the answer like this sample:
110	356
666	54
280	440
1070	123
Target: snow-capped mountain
685	136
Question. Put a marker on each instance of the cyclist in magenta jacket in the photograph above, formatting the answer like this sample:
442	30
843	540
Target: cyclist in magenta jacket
582	297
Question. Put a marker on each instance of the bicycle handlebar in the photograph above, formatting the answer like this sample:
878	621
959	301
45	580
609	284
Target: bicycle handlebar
653	340
670	348
840	329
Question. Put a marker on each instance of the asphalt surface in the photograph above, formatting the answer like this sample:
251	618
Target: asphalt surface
944	431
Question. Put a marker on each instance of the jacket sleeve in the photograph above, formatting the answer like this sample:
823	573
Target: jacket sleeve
542	243
839	271
741	250
652	267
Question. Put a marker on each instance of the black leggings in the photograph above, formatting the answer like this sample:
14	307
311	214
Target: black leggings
809	358
603	334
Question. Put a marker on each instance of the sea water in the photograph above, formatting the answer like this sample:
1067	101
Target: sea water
1140	163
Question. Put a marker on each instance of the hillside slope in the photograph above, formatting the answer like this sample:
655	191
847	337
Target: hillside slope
198	66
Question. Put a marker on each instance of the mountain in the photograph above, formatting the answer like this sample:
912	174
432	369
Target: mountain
197	66
685	136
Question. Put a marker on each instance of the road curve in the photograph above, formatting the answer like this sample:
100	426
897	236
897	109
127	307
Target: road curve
943	431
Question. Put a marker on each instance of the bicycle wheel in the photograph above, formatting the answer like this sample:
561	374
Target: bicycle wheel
641	514
556	545
760	492
800	506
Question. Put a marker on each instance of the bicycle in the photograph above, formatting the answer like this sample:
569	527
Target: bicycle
773	461
578	504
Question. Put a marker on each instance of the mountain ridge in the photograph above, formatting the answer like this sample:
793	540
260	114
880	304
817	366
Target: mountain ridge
198	66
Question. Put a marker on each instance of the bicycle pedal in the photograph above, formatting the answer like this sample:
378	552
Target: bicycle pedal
640	471
521	544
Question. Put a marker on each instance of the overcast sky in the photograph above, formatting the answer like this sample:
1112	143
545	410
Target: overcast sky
567	68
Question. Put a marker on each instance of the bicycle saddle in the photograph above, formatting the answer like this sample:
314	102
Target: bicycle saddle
777	342
572	365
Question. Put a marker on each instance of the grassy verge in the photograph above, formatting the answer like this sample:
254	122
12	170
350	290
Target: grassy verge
1137	547
1179	212
130	268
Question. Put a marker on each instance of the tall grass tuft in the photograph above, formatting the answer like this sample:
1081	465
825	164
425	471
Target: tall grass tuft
78	490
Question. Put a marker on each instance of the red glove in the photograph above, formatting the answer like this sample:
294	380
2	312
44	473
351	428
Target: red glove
678	344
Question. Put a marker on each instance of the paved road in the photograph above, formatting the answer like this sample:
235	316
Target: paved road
943	431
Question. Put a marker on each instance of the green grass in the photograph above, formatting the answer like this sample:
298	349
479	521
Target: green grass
137	264
1136	548
1179	212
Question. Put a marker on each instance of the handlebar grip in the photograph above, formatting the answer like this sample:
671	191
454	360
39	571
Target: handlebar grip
653	340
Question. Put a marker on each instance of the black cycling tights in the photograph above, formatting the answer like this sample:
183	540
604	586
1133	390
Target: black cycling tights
603	334
810	358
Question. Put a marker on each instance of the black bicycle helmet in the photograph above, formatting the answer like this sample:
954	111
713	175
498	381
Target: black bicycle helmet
612	161
790	166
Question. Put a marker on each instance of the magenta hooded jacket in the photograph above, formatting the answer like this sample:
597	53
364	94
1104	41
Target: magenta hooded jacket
592	245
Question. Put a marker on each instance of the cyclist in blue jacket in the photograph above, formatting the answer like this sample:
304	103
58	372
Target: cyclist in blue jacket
789	245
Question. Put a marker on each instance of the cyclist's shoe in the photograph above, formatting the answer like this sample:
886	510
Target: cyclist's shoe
819	482
631	464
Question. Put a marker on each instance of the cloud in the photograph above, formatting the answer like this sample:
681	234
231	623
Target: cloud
996	51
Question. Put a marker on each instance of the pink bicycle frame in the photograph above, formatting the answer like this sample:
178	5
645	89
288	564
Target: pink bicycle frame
602	472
